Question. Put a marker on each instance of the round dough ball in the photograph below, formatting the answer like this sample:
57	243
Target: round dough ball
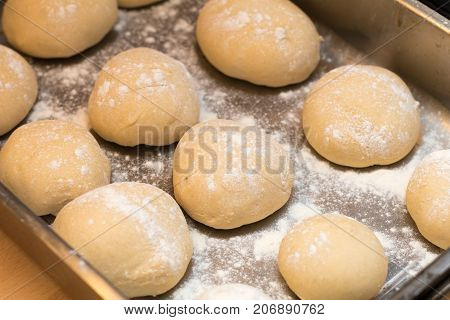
226	175
359	116
18	89
48	163
57	28
266	42
133	233
428	198
233	291
332	256
143	96
135	3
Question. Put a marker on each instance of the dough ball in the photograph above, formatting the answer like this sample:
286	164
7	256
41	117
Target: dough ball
266	42
18	89
359	116
226	175
332	257
133	233
135	3
428	198
233	291
143	96
48	163
57	28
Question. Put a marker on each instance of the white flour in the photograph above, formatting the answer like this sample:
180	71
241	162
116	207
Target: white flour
247	255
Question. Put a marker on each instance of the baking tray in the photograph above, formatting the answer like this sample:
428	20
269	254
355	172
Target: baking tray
404	36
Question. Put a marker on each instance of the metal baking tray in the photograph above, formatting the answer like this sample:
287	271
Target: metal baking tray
404	36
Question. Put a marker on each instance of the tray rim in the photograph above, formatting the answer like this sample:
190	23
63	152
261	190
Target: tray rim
96	284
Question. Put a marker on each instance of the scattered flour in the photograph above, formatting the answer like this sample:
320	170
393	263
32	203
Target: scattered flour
206	115
247	255
393	180
267	245
247	121
157	166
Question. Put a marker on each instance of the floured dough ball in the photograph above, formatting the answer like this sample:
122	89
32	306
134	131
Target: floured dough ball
133	233
226	175
48	163
359	116
428	198
143	96
135	3
331	256
18	89
233	291
266	42
57	28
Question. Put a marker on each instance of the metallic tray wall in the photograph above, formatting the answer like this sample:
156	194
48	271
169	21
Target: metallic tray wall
403	35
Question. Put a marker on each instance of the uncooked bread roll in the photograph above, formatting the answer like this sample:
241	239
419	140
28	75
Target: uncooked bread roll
48	163
133	233
57	28
18	89
226	175
143	96
428	198
359	116
266	42
135	3
233	291
332	256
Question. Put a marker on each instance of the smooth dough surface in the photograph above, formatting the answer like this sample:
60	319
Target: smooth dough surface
359	116
142	242
135	3
226	175
233	291
18	89
428	198
48	163
143	96
57	28
332	256
266	42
